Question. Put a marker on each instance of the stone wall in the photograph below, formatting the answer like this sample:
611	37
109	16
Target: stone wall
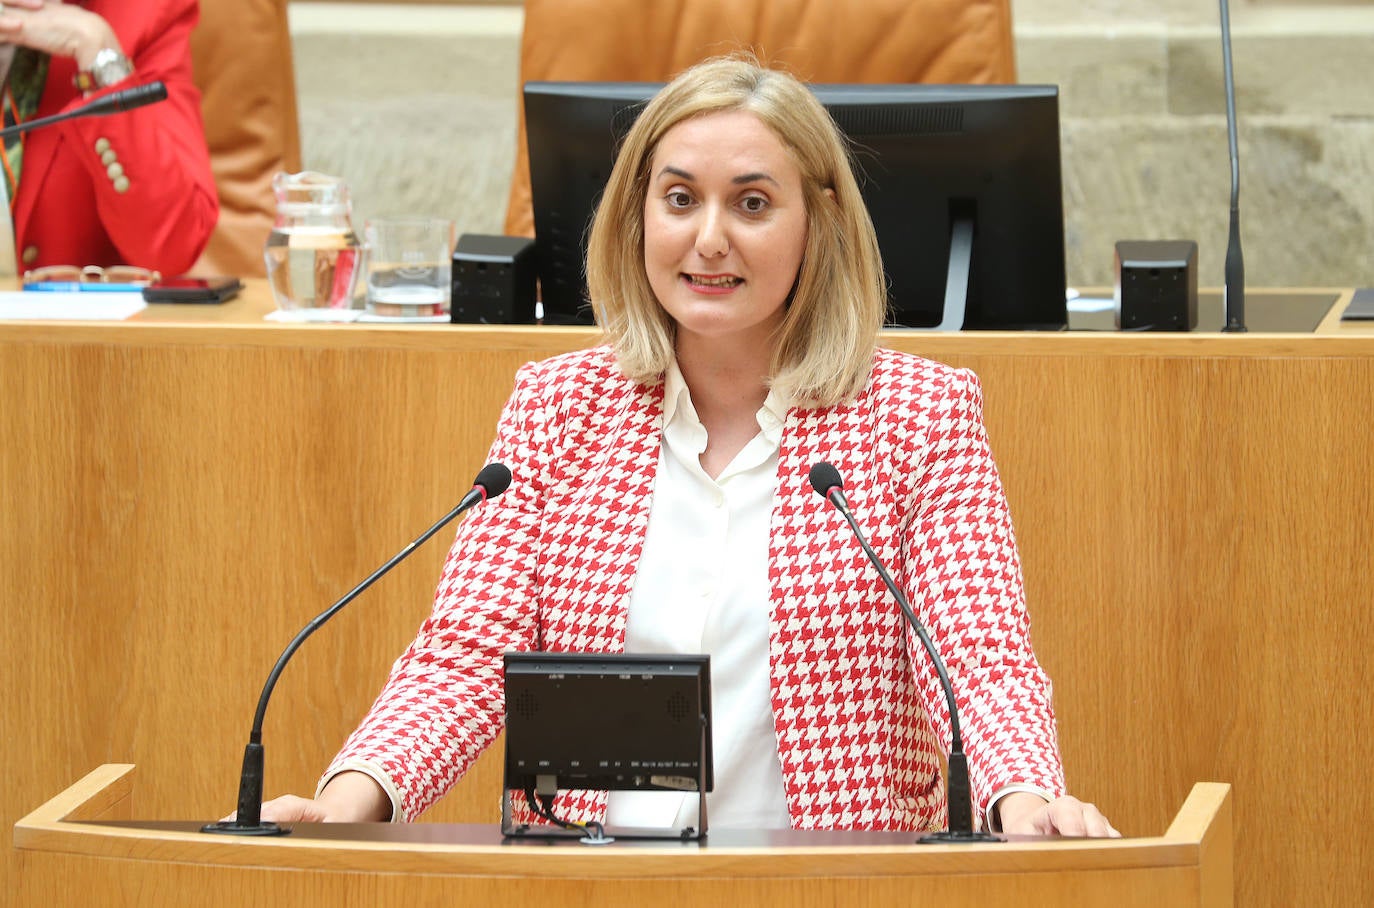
1144	132
414	105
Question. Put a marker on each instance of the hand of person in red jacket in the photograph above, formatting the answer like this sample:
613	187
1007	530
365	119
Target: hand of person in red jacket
57	28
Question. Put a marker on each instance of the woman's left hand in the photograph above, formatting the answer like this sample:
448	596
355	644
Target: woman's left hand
1023	813
57	28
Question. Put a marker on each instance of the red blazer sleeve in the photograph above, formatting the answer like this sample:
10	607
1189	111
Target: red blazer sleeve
132	187
964	576
444	701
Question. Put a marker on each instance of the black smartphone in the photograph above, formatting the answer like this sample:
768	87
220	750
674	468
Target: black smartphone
192	290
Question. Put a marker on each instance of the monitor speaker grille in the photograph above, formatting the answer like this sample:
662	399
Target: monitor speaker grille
678	707
525	704
624	118
902	120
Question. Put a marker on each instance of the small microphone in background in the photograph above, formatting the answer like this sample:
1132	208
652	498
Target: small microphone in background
114	102
493	479
825	479
1233	289
124	99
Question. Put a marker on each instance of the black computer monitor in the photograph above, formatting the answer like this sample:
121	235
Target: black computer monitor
609	722
962	183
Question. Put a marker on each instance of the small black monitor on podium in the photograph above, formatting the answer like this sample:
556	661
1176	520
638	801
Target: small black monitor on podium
605	722
962	183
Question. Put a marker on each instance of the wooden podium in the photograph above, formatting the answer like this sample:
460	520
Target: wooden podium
83	843
1193	513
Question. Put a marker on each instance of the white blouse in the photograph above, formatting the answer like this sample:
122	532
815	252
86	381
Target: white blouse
702	587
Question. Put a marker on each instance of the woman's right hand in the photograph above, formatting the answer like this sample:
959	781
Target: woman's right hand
294	809
350	797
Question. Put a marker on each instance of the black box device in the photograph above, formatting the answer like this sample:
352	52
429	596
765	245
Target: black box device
1156	285
493	280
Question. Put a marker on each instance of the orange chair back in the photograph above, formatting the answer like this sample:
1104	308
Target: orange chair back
860	41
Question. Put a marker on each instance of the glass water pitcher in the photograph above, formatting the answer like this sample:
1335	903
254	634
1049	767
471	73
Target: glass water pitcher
313	256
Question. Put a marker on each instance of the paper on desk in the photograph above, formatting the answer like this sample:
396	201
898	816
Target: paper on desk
77	306
404	319
325	316
332	316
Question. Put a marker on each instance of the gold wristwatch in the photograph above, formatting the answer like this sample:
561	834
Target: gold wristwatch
109	66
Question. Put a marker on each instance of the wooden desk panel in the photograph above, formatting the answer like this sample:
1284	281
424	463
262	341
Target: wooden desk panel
179	499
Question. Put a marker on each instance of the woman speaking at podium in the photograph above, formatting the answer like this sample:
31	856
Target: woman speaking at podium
661	503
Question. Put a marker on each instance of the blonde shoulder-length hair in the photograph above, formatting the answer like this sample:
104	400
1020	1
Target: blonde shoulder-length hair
825	345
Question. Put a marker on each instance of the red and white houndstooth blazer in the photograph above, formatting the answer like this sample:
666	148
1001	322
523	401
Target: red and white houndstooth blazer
857	709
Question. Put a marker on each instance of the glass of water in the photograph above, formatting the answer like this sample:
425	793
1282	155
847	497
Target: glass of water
409	266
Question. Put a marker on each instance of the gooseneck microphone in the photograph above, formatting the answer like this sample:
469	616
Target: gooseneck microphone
114	102
825	479
493	479
1233	290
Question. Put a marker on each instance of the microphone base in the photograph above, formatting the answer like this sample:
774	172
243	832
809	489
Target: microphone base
945	837
233	827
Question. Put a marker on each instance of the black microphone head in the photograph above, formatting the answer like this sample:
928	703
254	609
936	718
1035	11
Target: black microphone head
494	479
825	477
125	99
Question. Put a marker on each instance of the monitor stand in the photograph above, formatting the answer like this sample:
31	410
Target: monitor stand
960	267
